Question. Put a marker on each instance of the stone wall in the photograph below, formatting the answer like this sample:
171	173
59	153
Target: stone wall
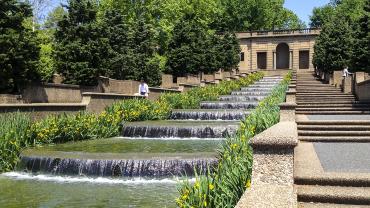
55	93
8	98
362	86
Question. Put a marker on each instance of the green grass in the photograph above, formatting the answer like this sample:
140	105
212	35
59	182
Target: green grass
223	186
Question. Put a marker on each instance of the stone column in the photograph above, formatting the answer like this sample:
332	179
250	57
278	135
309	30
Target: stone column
291	59
348	84
274	60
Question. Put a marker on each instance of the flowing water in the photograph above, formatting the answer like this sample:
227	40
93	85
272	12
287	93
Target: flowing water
139	169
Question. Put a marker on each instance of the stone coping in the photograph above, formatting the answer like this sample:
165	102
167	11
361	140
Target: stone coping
41	105
288	106
110	94
291	92
164	89
364	82
188	85
280	136
309	171
268	196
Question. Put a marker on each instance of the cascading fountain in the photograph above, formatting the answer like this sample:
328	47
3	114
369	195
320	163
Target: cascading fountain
148	153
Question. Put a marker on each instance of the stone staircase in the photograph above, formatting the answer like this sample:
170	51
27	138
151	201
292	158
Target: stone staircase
332	159
315	97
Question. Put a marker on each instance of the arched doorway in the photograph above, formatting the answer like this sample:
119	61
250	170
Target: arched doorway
282	56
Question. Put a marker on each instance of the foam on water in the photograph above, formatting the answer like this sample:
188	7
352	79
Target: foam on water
99	180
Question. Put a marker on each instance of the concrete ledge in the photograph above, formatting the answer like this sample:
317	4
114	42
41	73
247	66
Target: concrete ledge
287	111
281	135
272	171
41	110
268	196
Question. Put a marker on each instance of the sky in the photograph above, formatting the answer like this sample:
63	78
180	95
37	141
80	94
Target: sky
303	8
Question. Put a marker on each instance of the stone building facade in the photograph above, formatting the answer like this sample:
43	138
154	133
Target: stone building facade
282	49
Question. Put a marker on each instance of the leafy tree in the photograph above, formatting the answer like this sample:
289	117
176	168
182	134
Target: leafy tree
321	15
19	49
81	49
55	16
188	47
341	40
361	58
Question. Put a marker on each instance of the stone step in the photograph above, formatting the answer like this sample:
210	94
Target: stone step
334	139
300	108
334	194
334	122
333	105
315	102
333	112
333	133
322	90
323	94
334	127
327	205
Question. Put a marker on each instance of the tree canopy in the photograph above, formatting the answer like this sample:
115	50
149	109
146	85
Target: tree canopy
19	50
344	39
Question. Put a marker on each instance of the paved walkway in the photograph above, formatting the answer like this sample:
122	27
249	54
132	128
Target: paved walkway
332	159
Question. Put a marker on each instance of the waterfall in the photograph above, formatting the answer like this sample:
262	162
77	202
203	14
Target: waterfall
156	168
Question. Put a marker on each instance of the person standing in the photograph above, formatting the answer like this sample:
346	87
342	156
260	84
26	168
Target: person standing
143	88
346	72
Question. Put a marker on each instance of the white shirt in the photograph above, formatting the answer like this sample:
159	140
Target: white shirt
143	87
345	72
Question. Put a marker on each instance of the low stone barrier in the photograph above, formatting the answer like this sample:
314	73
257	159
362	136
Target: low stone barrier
55	93
41	110
273	158
8	98
97	102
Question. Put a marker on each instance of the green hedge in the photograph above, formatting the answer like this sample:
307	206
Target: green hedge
17	131
224	186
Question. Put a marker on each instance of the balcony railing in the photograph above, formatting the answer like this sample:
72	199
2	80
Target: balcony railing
306	31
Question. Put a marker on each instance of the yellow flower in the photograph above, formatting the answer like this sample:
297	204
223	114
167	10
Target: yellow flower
196	184
248	184
211	186
205	203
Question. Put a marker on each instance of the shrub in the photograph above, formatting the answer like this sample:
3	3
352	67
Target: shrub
228	181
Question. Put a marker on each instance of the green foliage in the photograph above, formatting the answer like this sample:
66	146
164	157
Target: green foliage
226	184
13	137
140	110
45	66
193	49
192	98
55	16
321	15
81	48
342	37
65	128
361	58
19	49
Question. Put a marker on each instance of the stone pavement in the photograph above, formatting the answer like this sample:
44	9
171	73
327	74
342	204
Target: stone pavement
332	159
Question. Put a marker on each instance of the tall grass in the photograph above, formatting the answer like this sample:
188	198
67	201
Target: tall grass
224	186
14	128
